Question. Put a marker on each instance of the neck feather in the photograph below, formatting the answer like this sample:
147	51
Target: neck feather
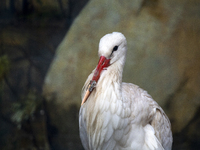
111	79
106	97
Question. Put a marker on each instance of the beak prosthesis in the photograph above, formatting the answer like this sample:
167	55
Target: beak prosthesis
103	63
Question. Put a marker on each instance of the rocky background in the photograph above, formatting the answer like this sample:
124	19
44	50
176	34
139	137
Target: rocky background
49	47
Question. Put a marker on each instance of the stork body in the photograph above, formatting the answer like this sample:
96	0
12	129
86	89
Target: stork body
117	115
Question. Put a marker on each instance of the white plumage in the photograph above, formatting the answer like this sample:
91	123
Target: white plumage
119	116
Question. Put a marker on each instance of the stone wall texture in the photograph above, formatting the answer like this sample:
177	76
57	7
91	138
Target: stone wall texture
163	58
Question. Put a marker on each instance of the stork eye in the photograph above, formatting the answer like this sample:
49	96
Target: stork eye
115	48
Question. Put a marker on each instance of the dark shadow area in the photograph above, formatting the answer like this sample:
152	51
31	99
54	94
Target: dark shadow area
30	32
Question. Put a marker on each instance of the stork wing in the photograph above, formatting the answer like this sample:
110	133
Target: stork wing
143	106
82	131
82	124
162	127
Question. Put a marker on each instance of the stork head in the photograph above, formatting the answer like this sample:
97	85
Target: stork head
112	48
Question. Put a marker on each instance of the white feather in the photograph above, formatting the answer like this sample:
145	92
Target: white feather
107	119
115	121
113	108
121	116
118	134
109	133
151	142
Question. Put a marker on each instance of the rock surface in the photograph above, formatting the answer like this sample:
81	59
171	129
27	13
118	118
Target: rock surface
162	58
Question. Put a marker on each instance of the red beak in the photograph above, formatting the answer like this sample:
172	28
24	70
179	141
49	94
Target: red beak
103	63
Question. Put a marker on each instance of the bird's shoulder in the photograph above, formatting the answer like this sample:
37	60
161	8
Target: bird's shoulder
141	103
136	95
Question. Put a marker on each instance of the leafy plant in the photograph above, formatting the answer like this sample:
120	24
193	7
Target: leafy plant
4	66
26	108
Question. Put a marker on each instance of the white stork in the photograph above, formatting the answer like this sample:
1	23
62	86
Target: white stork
119	116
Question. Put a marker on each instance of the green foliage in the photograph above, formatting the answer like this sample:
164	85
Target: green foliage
4	66
26	108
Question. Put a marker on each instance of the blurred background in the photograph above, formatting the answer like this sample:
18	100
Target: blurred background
49	47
